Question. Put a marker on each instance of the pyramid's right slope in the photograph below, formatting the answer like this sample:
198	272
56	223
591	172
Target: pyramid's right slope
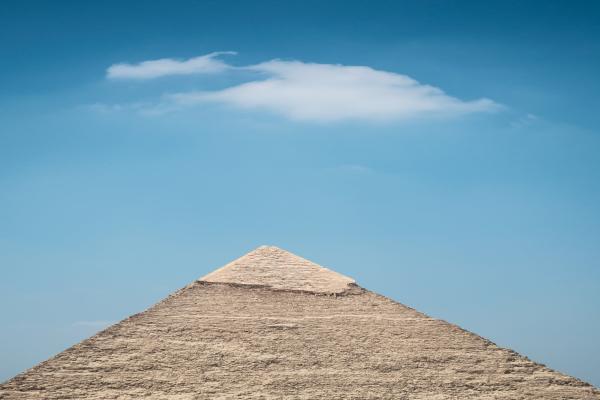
273	325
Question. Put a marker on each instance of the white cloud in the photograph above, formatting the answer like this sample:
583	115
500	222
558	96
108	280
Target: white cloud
206	64
325	92
310	91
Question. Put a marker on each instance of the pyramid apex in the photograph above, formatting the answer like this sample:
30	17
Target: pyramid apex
276	268
267	246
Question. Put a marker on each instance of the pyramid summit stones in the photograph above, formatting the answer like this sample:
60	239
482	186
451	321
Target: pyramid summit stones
275	268
266	327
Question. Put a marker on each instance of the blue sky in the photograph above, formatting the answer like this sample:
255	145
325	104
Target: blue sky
457	171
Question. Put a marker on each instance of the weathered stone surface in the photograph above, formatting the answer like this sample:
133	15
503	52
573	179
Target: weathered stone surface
229	340
278	269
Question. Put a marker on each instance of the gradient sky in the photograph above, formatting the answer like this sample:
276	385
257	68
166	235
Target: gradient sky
113	193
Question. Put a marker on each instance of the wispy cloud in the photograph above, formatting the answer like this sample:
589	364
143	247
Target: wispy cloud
206	64
311	91
142	108
524	121
354	168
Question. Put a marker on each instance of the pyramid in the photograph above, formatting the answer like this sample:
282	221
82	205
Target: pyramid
272	325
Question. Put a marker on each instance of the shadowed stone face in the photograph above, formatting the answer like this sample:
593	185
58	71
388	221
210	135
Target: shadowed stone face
274	333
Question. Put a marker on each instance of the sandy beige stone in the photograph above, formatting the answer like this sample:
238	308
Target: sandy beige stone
214	340
279	269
